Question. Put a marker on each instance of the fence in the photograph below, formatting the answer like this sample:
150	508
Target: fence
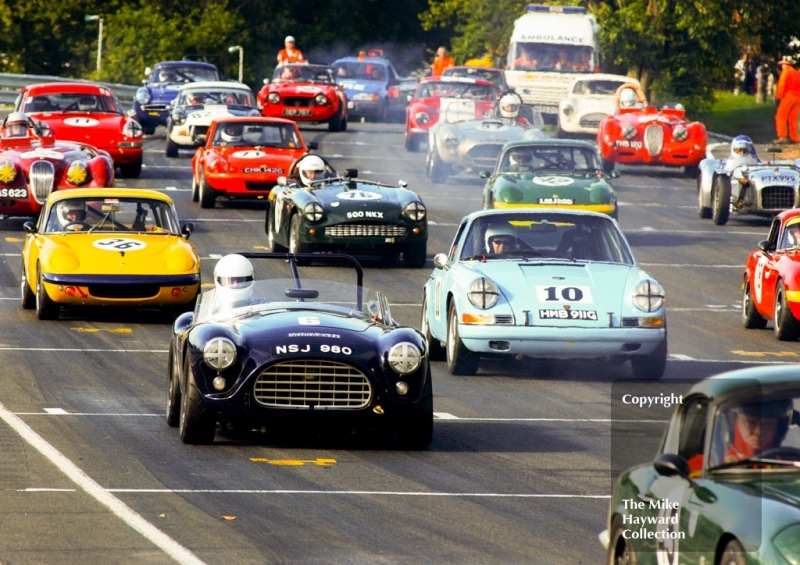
10	85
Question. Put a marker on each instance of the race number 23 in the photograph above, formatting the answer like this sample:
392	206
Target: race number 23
120	244
558	293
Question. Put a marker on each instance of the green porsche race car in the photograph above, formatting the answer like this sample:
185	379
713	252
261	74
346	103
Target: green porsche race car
334	212
724	488
550	173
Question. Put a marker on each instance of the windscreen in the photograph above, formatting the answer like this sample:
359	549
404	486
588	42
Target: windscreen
361	71
118	215
466	90
551	57
72	102
182	74
228	97
303	73
597	87
256	134
552	158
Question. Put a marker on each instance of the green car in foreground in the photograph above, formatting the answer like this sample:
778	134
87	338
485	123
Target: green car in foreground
550	173
724	488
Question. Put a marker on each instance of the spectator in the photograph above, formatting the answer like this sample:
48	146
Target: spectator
290	54
788	92
739	73
562	63
524	62
441	62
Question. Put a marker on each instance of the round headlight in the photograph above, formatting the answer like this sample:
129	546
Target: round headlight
219	353
648	296
77	173
313	212
321	99
404	358
132	129
568	109
483	293
415	211
142	96
422	118
628	131
274	98
680	133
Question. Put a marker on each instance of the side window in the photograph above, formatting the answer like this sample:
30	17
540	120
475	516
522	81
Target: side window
454	248
693	428
774	230
18	103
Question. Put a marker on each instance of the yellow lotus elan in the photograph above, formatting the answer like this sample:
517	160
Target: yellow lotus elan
108	247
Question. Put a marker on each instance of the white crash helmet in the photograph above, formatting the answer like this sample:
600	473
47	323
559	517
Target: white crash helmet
520	157
509	106
311	164
742	146
16	125
71	206
86	103
231	132
627	98
501	230
233	279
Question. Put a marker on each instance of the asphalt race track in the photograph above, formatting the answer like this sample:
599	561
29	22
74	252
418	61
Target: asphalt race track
519	467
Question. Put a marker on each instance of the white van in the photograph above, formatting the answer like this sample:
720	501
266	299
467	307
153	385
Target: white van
550	47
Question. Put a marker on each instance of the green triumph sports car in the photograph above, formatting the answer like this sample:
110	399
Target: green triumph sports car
550	173
343	213
724	488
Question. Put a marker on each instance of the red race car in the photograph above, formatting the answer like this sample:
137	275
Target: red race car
243	158
638	134
33	164
86	113
304	93
771	284
435	95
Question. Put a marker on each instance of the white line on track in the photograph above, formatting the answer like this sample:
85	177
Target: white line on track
692	265
695	232
87	350
161	540
168	167
227	220
356	493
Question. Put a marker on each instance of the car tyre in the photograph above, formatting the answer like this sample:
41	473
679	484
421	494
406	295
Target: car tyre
173	390
787	328
171	148
733	554
416	255
195	190
335	122
460	360
751	319
703	211
412	143
46	309
272	246
691	171
416	431
435	350
608	165
437	170
295	245
194	426
619	552
653	365
27	297
721	200
131	170
207	196
148	130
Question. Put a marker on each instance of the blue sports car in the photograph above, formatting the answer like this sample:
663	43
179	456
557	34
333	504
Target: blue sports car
556	284
373	87
151	103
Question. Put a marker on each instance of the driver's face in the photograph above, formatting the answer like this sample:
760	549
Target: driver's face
758	433
314	174
502	244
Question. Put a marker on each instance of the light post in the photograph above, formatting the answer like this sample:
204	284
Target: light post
233	49
91	18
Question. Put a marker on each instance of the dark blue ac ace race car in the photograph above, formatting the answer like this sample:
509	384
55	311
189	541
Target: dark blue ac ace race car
297	350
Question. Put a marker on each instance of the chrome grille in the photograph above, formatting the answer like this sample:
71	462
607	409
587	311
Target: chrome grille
365	230
42	176
154	107
777	197
484	155
549	95
298	101
504	319
630	322
591	120
654	139
313	383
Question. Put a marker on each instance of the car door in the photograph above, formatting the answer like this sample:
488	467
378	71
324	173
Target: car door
441	281
765	274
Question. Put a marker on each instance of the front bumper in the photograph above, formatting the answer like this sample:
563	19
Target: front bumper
560	343
363	237
122	290
609	209
670	156
151	114
299	114
244	186
366	108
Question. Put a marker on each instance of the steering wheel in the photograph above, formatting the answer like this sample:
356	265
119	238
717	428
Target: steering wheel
777	452
71	226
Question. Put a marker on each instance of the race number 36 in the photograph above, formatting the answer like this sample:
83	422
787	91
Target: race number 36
120	244
571	294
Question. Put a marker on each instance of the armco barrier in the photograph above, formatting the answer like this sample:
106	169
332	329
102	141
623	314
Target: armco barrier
10	85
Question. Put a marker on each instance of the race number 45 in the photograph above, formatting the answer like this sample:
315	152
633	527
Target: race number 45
558	293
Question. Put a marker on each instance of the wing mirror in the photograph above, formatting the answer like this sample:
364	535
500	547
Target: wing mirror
766	246
312	145
144	81
351	173
484	174
402	184
187	229
29	227
440	261
266	81
409	98
671	465
281	181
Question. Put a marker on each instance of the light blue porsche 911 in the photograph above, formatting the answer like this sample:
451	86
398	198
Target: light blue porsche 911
555	284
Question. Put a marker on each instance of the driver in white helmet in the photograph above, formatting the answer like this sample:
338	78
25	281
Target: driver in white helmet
509	106
231	132
311	169
520	161
233	282
16	125
72	215
500	239
630	95
743	153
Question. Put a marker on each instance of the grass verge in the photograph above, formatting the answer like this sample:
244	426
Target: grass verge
740	115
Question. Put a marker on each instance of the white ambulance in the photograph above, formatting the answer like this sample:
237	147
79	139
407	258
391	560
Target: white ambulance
550	47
